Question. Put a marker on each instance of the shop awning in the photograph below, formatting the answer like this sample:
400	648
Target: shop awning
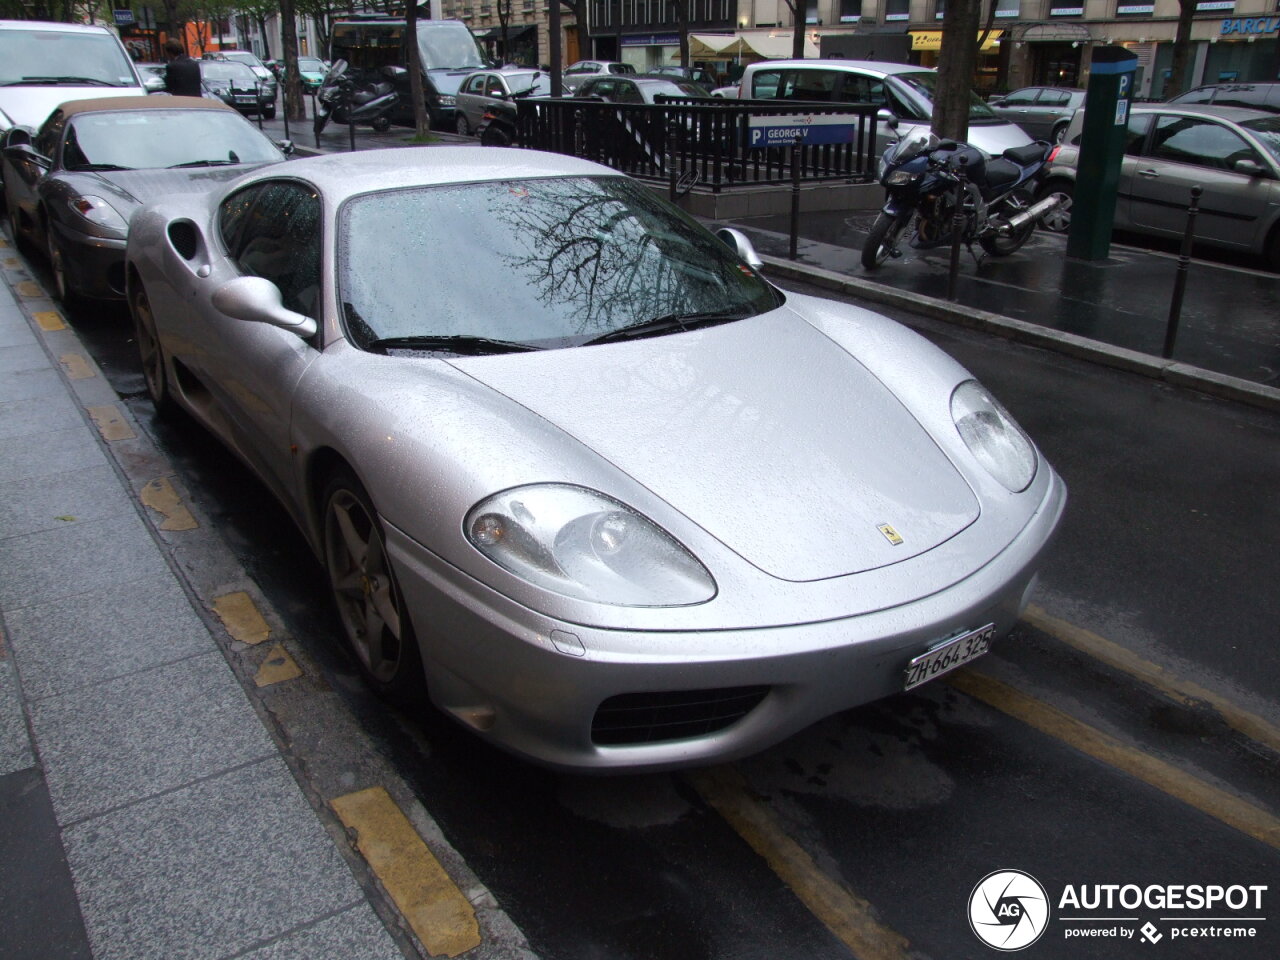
932	40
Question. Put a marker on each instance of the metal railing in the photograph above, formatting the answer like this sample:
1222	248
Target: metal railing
709	141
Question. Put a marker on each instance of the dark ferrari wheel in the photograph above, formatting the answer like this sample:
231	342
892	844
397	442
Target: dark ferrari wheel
57	267
366	593
150	352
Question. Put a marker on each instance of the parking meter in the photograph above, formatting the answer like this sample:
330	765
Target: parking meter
1102	145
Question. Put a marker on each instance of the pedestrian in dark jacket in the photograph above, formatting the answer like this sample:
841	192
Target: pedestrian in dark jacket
182	76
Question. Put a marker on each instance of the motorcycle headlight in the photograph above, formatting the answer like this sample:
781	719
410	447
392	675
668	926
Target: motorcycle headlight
445	100
101	214
900	177
992	436
579	543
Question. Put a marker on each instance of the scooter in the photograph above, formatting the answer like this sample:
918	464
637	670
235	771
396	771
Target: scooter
923	176
371	102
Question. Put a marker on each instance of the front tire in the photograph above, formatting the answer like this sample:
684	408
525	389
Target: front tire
365	590
269	112
62	291
381	124
463	128
882	240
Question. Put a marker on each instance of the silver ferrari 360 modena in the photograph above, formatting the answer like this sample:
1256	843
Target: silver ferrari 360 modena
569	458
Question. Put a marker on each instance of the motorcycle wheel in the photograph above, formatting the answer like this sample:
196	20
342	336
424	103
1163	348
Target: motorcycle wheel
381	124
882	239
1001	246
319	122
494	137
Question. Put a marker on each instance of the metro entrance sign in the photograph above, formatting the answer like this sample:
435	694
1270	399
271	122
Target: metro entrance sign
781	131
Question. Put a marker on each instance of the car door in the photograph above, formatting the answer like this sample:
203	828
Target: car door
250	369
1051	107
471	99
23	172
1020	107
1185	151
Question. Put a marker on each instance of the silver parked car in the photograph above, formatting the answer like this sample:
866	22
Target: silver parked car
481	90
72	186
570	458
1234	154
1043	112
575	73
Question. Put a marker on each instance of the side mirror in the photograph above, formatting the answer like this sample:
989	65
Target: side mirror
737	241
1250	168
153	84
20	152
887	118
257	300
286	147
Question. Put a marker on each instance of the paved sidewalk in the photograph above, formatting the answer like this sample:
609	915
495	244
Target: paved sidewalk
145	810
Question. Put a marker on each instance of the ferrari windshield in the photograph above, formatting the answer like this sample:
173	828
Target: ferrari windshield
544	262
150	139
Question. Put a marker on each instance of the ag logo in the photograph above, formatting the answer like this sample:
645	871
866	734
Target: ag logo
1008	910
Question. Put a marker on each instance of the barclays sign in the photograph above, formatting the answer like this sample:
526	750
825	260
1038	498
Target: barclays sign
1253	26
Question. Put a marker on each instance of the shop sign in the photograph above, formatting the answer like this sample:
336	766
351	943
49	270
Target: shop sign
1252	26
1132	8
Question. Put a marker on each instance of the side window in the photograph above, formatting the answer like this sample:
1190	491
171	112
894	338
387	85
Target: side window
232	214
1202	142
280	240
766	84
819	85
475	84
859	89
1136	137
602	88
627	93
494	88
1198	95
1021	98
46	141
1053	98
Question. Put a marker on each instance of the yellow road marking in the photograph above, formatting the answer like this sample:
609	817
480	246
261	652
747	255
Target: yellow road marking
160	496
846	915
12	262
29	289
277	668
110	423
1165	777
47	319
1152	674
77	367
239	614
430	902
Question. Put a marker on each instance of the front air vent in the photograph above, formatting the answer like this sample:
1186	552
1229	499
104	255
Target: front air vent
183	236
633	718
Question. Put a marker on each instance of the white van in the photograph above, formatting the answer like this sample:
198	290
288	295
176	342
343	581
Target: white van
901	91
45	64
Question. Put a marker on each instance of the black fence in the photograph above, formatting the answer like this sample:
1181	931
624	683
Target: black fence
707	141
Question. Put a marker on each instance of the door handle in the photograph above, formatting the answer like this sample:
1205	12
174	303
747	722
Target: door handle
1148	174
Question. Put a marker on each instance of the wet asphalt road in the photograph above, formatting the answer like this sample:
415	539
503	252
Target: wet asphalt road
1168	549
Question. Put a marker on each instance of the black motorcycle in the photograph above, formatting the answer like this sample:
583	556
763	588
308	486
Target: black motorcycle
344	99
924	178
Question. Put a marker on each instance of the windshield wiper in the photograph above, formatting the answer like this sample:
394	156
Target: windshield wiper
665	324
464	344
91	81
202	163
93	167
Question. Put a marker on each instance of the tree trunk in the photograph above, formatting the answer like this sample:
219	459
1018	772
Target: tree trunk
956	63
421	121
682	20
293	106
797	34
1177	81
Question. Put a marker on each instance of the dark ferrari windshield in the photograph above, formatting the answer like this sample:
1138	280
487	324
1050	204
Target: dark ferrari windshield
150	139
550	262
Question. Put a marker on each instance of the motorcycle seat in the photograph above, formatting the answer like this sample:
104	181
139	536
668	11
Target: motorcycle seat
1026	156
1001	173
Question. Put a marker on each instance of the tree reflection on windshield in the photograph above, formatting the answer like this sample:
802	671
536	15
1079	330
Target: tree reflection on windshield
545	261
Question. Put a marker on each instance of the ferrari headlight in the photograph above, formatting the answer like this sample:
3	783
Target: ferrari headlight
101	214
992	436
579	543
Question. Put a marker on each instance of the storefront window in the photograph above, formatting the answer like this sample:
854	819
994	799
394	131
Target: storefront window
939	9
1066	8
1008	8
897	10
850	11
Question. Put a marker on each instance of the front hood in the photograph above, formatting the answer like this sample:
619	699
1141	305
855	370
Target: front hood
126	190
448	81
764	432
31	106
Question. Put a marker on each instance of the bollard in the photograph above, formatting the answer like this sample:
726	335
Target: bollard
795	195
672	132
957	228
284	103
257	94
1180	279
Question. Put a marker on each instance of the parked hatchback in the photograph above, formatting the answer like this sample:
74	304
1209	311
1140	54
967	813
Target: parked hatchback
1251	96
1043	112
903	93
642	89
575	73
1233	154
483	89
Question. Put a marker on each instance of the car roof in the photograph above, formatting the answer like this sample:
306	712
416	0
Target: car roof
156	101
878	67
341	175
51	27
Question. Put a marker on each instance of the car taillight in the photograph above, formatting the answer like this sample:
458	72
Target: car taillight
1053	154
